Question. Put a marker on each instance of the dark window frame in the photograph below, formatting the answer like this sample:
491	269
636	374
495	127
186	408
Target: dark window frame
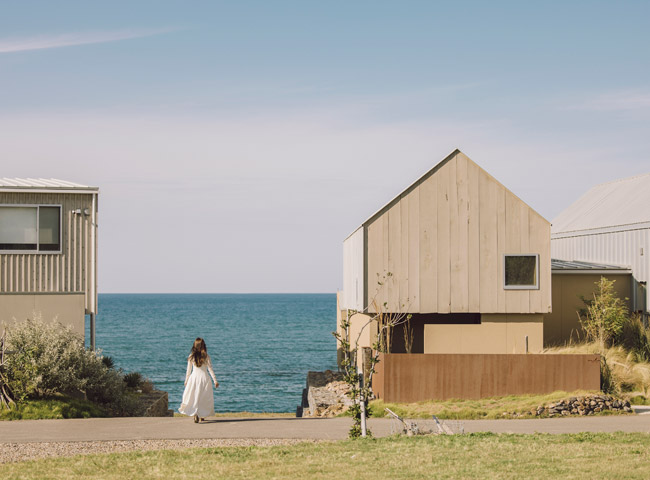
37	247
534	286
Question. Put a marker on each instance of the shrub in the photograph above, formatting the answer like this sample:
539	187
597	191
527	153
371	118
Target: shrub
133	380
635	338
603	317
607	382
108	362
50	359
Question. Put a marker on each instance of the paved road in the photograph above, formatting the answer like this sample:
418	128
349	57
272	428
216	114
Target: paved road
102	429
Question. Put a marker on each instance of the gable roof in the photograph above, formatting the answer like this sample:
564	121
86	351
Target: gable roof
621	205
420	179
43	185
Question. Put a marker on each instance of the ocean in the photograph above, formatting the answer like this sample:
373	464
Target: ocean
262	345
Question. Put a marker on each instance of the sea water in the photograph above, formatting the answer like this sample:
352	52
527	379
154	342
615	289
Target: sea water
262	345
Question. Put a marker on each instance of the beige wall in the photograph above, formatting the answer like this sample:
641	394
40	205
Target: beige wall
444	239
68	271
365	330
563	324
67	309
495	334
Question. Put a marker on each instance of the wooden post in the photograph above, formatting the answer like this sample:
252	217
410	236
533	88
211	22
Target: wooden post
366	357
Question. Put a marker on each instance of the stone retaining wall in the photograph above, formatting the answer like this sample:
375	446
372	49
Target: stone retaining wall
587	405
325	395
154	404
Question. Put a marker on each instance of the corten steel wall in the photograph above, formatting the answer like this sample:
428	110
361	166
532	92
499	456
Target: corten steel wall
418	377
65	272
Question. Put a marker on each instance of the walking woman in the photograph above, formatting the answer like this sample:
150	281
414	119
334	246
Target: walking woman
198	400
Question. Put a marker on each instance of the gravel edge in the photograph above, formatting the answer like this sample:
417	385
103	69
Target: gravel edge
20	452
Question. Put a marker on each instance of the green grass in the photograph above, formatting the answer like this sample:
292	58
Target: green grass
60	407
580	456
485	408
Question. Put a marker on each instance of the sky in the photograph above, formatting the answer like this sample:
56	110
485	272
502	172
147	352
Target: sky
237	144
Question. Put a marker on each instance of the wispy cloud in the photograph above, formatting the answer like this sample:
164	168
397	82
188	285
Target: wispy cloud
615	101
41	42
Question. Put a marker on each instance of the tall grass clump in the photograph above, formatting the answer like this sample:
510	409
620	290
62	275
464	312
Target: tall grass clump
50	360
620	337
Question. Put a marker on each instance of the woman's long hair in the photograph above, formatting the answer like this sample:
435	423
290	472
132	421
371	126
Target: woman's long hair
199	353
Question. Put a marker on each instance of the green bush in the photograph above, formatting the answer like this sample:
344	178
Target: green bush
603	317
57	407
133	380
108	362
49	359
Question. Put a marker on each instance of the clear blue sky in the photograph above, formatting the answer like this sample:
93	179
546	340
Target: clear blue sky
236	145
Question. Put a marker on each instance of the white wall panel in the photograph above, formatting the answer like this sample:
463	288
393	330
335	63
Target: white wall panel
626	248
353	271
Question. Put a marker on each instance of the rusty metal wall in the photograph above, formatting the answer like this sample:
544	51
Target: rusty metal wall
406	378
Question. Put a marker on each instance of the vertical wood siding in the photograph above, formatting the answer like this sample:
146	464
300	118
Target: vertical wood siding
444	239
68	271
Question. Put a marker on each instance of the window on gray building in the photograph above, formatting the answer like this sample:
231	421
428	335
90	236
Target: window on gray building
35	228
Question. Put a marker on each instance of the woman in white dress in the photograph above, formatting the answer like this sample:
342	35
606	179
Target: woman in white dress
198	400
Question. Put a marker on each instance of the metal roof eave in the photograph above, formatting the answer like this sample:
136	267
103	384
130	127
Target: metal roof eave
43	185
601	230
87	190
577	267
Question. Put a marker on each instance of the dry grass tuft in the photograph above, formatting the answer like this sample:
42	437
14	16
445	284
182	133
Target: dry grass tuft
629	376
513	406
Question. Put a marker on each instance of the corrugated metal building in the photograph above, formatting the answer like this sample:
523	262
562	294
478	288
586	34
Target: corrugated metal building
468	258
48	251
610	224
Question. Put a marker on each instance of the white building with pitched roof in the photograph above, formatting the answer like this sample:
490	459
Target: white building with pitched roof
48	252
610	224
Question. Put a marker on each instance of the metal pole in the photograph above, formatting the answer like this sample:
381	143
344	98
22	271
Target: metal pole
526	343
92	331
93	271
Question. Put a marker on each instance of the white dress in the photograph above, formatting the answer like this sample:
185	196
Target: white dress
197	397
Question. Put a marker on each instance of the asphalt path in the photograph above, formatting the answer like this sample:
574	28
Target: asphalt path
110	429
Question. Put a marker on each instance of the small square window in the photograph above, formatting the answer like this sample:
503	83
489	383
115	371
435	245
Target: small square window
521	272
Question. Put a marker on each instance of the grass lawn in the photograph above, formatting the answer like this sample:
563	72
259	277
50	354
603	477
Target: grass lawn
61	407
580	456
485	408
